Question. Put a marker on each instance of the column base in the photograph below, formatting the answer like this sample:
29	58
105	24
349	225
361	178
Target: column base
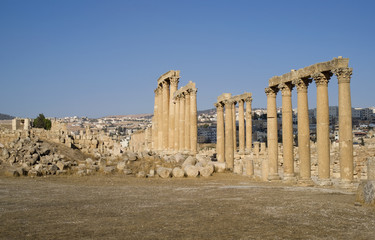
347	184
248	151
325	182
241	152
273	177
307	182
289	178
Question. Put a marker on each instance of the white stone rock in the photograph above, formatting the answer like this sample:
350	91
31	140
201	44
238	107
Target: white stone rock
178	172
164	172
191	171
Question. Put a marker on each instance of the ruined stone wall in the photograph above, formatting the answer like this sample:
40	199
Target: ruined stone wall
259	158
91	141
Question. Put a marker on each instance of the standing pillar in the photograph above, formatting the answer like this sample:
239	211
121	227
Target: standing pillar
220	143
187	121
193	121
229	158
177	124
287	127
165	114
249	125
173	89
160	118
272	134
241	126
234	127
182	123
322	127
303	130
345	124
155	122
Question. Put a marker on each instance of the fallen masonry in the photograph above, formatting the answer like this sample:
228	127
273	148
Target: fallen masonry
35	158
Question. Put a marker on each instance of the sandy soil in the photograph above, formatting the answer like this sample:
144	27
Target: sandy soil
224	206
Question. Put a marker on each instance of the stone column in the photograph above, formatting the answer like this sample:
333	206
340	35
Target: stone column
165	114
173	89
220	143
234	127
160	118
177	124
155	121
193	121
272	134
303	129
229	154
249	125
345	124
241	125
187	121
287	127
322	127
182	123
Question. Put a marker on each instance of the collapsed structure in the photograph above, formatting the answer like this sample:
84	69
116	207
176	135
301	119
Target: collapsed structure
321	74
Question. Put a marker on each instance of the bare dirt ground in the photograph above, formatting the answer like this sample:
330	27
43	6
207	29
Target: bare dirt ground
224	206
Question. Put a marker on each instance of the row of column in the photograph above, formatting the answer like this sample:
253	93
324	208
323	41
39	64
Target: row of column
163	119
323	141
226	140
185	121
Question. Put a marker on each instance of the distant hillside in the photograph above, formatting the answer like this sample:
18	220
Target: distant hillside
5	117
208	111
147	115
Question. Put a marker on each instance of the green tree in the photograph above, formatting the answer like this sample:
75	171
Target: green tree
42	122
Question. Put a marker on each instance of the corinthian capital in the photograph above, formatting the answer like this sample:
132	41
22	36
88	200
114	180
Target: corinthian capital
248	100
219	106
302	84
343	74
174	80
321	78
286	89
271	91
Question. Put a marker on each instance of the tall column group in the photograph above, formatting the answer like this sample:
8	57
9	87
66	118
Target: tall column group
321	74
174	124
226	140
185	102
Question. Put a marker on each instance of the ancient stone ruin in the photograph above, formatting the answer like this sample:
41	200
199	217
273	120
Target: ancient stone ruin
174	125
321	74
226	144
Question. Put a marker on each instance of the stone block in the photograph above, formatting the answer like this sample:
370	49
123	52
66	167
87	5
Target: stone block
178	172
164	172
366	193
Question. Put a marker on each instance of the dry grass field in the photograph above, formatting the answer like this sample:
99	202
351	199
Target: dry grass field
224	206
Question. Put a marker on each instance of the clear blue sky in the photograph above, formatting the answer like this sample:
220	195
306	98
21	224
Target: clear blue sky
97	58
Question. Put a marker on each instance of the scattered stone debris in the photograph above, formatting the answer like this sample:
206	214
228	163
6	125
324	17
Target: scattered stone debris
35	158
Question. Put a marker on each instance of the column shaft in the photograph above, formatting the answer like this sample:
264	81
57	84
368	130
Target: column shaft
345	124
165	114
241	126
187	121
322	127
220	143
229	158
160	119
272	134
287	127
182	123
249	125
193	122
234	127
303	130
177	124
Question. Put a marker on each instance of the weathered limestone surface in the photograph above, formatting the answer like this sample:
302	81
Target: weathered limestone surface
321	74
226	145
